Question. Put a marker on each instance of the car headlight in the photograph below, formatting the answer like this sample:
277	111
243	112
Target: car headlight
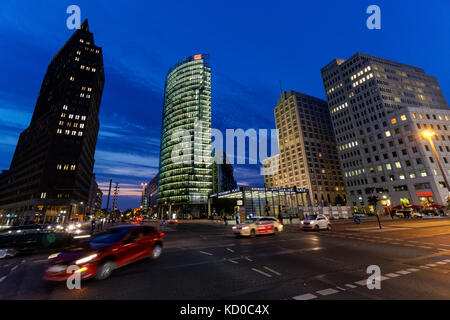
245	228
53	256
302	222
86	259
234	227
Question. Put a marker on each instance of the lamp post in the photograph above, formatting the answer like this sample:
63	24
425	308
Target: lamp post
429	134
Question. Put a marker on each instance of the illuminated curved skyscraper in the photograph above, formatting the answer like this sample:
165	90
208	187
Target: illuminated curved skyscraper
185	159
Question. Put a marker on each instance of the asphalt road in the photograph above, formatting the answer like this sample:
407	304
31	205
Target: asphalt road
205	261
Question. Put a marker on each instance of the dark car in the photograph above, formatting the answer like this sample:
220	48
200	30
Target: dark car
29	239
105	252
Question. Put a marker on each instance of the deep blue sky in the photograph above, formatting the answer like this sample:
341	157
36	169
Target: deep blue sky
253	46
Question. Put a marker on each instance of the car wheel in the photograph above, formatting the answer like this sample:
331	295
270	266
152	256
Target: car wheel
329	227
316	228
156	253
275	231
105	270
253	233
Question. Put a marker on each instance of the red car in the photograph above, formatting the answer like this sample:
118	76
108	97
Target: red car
105	252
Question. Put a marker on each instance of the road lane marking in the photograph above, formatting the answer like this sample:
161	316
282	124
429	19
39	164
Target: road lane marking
425	247
307	296
362	282
441	262
248	259
382	278
448	260
413	270
432	265
424	267
392	275
207	253
262	272
403	272
342	289
273	271
230	250
327	292
14	268
2	279
232	261
350	286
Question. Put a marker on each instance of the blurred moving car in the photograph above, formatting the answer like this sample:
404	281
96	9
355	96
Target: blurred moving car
258	225
105	252
408	214
30	239
316	222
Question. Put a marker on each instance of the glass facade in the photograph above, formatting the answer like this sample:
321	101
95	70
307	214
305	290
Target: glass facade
267	201
187	107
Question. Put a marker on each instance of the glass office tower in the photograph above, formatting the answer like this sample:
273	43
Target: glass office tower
185	159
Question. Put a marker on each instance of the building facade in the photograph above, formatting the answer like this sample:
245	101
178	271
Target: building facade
380	110
151	192
185	167
95	199
50	174
308	156
223	174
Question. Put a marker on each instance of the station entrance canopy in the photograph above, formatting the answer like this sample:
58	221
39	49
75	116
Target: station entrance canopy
259	201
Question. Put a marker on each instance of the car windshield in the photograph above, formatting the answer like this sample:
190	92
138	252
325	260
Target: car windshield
111	236
311	217
251	220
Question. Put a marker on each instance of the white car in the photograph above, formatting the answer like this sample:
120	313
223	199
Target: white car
258	225
316	222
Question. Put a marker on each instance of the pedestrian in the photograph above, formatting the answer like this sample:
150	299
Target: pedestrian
290	219
93	226
237	219
392	214
280	217
225	219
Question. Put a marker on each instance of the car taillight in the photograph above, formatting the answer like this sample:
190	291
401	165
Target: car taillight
161	234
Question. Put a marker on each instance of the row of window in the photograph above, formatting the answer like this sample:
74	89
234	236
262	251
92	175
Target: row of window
66	167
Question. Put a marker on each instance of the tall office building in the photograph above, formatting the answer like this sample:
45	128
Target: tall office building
50	173
308	157
223	174
380	110
95	199
185	176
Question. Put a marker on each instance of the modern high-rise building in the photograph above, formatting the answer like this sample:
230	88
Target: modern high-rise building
50	174
308	156
223	174
380	111
185	167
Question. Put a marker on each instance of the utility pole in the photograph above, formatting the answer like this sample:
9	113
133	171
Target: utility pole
109	195
116	194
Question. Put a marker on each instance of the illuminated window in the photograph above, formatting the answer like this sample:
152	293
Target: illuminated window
388	166
403	117
59	131
72	79
388	133
66	167
414	115
70	116
43	195
393	121
74	133
67	132
72	167
77	117
82	125
398	165
63	115
80	133
65	107
58	167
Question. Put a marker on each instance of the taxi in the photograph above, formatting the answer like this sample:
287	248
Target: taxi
258	225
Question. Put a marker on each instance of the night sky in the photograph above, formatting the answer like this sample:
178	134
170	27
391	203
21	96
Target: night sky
254	46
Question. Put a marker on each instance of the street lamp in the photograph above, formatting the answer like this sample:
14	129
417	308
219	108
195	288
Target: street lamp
429	134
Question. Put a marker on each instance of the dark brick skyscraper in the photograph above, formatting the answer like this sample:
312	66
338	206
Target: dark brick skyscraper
50	173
